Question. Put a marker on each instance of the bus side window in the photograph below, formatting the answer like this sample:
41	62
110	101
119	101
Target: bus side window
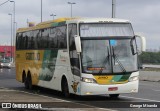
24	41
45	38
35	39
30	40
61	37
58	36
18	40
64	35
53	38
39	39
61	34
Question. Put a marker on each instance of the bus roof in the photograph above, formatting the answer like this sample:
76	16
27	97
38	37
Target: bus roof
98	20
42	25
61	21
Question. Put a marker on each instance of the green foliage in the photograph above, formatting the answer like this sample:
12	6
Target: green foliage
150	58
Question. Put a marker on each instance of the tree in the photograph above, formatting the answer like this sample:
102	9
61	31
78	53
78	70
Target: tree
150	57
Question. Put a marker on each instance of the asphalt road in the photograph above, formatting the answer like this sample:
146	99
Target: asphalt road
148	92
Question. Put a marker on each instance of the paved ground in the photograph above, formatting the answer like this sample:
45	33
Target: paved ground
37	102
13	91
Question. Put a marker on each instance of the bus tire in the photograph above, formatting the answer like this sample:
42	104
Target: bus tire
23	77
114	96
65	89
29	79
26	85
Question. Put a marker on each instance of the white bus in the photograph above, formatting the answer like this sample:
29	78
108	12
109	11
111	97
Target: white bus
81	56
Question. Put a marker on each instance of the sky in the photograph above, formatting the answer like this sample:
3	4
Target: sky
143	14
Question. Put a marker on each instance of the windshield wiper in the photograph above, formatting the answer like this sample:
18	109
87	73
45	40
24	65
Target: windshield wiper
116	58
104	62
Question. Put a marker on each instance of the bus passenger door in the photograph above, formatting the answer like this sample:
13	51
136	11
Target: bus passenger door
74	58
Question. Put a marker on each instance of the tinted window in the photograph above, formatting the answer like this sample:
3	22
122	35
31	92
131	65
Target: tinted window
58	38
18	40
35	35
24	41
53	38
43	38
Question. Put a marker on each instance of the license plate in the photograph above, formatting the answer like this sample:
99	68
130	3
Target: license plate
112	88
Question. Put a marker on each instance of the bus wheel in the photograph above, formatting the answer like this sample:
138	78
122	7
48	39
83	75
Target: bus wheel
29	79
114	96
65	89
26	83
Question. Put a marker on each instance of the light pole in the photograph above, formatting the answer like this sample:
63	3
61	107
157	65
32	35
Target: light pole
41	12
71	3
113	8
14	13
53	16
4	2
15	25
11	34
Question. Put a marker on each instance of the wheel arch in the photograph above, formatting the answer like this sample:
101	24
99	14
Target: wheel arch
64	78
65	87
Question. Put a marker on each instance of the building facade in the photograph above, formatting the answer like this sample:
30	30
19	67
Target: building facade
7	51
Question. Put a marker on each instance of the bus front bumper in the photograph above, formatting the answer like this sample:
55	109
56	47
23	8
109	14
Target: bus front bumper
96	89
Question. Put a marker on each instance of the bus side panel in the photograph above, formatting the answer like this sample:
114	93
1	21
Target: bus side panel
19	65
29	61
47	69
60	69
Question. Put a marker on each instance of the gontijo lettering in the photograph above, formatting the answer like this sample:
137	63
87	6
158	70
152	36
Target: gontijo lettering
32	56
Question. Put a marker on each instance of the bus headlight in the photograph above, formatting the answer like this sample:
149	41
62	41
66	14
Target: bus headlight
134	78
88	80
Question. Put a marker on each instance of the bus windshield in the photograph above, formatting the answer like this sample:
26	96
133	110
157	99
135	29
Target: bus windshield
108	56
107	48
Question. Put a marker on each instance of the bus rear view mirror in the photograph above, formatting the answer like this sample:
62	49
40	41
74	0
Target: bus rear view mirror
78	43
142	43
133	46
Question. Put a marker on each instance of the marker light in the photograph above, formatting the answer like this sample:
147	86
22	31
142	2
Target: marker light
134	78
88	80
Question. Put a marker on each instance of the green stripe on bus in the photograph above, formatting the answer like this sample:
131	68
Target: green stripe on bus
58	24
117	78
62	23
124	78
48	65
54	24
